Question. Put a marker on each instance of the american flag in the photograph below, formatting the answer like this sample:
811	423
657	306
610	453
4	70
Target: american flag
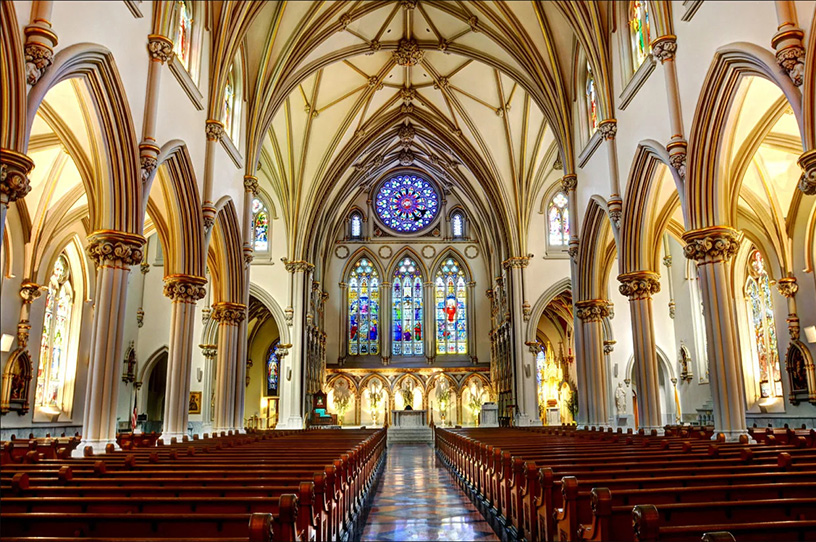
134	417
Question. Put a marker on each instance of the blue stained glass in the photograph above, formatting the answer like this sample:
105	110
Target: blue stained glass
363	309
407	310
272	370
407	203
451	309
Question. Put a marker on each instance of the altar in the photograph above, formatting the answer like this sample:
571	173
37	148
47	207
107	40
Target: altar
410	426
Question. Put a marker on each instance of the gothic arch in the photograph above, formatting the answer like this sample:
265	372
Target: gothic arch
408	376
538	308
450	252
361	252
594	251
404	252
12	80
274	309
225	257
116	196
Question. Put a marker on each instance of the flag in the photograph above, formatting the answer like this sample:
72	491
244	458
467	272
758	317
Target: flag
134	417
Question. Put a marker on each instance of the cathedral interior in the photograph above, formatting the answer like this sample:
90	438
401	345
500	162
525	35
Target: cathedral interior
584	214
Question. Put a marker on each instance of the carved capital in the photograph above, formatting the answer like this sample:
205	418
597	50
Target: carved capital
792	60
14	170
140	314
608	128
664	48
639	284
159	48
677	155
148	164
712	244
208	350
251	184
408	53
615	209
807	182
110	247
38	57
569	182
184	288
214	130
516	262
229	313
608	347
406	157
787	286
30	291
294	266
572	250
592	310
23	327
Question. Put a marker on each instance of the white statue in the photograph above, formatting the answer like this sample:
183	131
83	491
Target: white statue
620	399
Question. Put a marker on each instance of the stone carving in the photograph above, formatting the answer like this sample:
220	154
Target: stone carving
608	128
297	265
38	57
664	48
229	313
184	288
593	310
14	183
678	162
639	285
406	134
787	286
558	164
569	182
112	246
515	262
716	243
159	48
148	164
251	184
408	53
406	157
792	60
620	399
214	130
807	182
30	291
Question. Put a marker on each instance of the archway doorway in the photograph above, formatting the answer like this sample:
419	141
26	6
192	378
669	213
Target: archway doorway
155	395
263	368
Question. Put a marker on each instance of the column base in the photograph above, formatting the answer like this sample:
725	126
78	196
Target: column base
523	420
98	447
293	422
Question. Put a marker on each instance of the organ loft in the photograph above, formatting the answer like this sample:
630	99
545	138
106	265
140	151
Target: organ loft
408	270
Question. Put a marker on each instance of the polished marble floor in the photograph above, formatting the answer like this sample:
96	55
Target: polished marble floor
417	499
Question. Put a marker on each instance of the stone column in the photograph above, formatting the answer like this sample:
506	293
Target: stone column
184	291
639	287
386	334
591	313
40	41
343	343
209	351
160	50
292	393
663	49
113	253
229	316
214	129
609	129
14	183
787	42
526	411
429	322
713	248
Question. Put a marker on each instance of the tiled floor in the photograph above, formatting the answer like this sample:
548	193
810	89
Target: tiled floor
418	500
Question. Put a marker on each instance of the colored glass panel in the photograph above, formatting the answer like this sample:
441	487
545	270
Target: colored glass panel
356	226
407	203
458	225
407	310
760	309
272	370
591	100
55	336
558	218
363	309
229	103
639	29
451	309
184	31
260	225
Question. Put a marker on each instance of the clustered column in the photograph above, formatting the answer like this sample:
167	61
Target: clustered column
184	291
229	317
591	313
639	287
113	253
525	396
209	351
160	50
713	248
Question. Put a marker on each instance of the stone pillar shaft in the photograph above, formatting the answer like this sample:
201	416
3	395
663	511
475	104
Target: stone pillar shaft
292	371
591	313
524	375
229	316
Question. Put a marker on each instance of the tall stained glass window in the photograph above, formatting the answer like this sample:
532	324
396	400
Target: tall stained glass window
356	225
558	220
407	203
54	344
260	225
182	45
451	309
639	28
458	225
273	369
229	103
363	309
407	309
760	312
591	100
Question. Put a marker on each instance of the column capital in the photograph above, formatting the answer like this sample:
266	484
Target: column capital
569	182
664	47
608	128
38	49
251	184
108	246
787	286
807	182
790	54
294	266
209	350
214	130
14	170
639	284
516	262
592	310
184	288
30	291
712	244
159	48
229	313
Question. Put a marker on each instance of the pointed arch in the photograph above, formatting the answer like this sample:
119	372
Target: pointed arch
594	251
363	252
225	255
274	308
12	80
565	284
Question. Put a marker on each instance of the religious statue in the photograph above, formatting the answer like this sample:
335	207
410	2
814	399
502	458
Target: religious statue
620	399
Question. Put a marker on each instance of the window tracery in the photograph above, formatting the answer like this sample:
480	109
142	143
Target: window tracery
182	44
363	309
591	96
273	369
407	309
558	220
260	226
639	32
407	203
451	309
760	312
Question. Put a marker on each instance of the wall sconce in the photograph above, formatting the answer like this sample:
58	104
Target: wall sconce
199	374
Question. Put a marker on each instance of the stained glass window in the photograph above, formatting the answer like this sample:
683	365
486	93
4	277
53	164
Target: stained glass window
229	103
364	309
407	203
458	225
760	312
591	100
407	309
184	31
356	225
54	344
260	225
639	28
451	309
558	219
272	369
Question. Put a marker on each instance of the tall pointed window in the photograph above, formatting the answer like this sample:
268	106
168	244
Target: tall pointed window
407	309
273	369
55	341
229	113
363	309
260	226
182	45
558	220
451	309
760	312
458	225
639	29
591	100
356	225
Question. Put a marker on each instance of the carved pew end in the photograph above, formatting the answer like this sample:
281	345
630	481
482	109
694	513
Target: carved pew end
645	522
784	460
65	474
88	451
19	482
109	448
100	467
260	528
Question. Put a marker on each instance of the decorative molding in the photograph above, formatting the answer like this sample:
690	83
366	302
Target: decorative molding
341	251
251	184
159	48
214	130
385	252
232	150
471	252
677	155
408	52
428	252
38	57
608	128
639	284
664	48
592	310
787	286
133	7
590	148
30	291
637	81
807	182
228	313
294	266
187	84
517	262
14	170
691	8
712	244
569	182
184	288
108	246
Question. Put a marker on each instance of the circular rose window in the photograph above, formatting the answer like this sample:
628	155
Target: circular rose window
407	203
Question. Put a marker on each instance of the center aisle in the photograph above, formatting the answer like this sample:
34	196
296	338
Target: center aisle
418	500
